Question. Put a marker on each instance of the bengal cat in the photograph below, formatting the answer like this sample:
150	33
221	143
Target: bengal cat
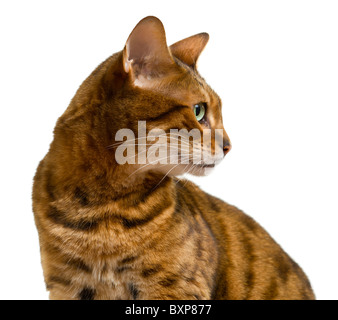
134	230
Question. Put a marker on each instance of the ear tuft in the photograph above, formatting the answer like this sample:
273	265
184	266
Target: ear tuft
188	50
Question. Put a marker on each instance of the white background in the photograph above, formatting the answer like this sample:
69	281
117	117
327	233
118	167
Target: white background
275	66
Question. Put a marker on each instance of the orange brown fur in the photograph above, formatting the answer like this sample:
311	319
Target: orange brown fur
106	233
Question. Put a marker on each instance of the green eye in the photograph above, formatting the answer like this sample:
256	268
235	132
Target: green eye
199	110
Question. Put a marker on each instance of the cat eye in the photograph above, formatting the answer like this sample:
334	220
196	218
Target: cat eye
199	111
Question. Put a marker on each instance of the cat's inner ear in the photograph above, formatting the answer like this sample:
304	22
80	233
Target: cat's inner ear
188	50
146	54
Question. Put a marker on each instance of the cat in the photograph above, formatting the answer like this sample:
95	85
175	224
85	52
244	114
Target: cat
137	231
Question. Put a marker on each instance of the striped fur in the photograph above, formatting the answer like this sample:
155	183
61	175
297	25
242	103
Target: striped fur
110	231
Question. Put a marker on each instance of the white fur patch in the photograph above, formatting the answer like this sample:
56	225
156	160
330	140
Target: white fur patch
143	82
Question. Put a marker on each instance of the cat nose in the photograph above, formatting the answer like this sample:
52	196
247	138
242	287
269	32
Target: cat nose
226	147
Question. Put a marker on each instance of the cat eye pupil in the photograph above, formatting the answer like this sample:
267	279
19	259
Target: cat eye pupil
199	110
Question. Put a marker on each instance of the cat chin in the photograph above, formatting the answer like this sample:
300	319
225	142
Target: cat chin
202	171
183	169
206	171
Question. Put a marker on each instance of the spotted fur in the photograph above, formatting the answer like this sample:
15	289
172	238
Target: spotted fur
110	231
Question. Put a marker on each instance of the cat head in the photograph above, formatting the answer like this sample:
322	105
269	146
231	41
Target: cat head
179	116
149	107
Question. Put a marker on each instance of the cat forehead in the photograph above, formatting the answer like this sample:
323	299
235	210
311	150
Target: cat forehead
193	87
190	72
184	86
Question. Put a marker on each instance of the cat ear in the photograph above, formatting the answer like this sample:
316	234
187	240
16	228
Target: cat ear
188	50
146	54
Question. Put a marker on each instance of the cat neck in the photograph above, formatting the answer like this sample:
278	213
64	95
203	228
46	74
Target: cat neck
93	183
136	188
